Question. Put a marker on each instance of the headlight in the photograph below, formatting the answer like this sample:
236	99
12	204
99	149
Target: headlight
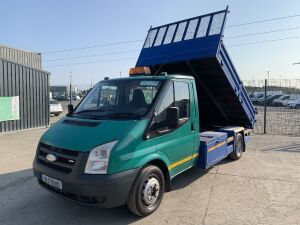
97	162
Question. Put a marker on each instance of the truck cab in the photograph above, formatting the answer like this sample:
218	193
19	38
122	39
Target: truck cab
129	137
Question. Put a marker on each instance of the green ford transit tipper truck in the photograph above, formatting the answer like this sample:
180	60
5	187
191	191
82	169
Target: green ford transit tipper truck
183	105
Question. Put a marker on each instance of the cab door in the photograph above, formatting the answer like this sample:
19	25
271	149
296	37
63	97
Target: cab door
177	143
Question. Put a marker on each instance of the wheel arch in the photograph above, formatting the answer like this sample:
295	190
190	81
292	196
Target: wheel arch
164	168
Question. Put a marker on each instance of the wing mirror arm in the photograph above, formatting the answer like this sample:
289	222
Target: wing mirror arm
70	108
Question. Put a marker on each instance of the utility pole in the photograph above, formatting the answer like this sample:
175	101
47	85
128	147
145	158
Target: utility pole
120	74
70	87
279	80
265	107
268	77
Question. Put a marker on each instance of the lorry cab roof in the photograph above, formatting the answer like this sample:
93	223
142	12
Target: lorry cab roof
156	77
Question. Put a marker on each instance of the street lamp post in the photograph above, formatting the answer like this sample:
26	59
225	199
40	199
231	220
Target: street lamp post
70	87
268	77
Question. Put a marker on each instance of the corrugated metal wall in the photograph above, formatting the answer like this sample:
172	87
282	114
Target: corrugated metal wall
32	86
25	58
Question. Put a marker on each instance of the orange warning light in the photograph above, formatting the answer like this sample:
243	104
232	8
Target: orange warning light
139	71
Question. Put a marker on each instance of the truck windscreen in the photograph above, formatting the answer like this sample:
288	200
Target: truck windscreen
118	99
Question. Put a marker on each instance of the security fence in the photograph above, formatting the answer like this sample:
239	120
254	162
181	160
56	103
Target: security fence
277	105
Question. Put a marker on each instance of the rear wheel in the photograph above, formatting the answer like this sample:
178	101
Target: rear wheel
239	147
147	191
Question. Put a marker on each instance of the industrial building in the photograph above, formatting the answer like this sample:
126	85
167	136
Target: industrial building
59	89
24	90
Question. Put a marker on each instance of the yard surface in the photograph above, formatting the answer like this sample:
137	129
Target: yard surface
263	187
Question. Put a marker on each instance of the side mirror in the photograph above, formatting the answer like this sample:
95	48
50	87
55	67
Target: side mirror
172	116
70	108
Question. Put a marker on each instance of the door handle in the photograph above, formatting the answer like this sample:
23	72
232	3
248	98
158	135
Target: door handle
192	126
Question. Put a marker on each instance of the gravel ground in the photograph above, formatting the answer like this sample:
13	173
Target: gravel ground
263	187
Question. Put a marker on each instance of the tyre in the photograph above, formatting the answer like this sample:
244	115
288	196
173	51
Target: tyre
147	191
56	114
239	147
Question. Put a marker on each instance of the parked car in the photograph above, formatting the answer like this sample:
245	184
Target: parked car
62	98
272	98
288	101
279	101
55	107
76	97
260	101
255	98
295	104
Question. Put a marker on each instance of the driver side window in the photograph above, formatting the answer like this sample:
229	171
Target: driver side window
161	112
176	95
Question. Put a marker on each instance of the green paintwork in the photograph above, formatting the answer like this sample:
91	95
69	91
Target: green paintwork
132	150
83	138
180	143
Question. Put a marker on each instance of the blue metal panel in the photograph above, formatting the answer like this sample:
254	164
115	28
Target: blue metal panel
213	148
179	51
192	48
229	148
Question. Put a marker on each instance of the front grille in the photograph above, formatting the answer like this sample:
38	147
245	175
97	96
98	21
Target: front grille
65	159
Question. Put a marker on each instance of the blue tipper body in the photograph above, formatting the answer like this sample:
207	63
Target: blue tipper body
194	47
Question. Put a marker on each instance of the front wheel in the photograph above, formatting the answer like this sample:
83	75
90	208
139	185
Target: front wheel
239	147
147	191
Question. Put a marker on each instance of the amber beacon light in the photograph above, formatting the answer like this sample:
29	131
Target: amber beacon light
139	71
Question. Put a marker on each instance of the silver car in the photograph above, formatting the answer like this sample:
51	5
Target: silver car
55	107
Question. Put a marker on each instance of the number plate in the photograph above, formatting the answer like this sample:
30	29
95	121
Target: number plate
52	182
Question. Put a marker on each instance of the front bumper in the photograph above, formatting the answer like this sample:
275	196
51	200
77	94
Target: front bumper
55	111
109	190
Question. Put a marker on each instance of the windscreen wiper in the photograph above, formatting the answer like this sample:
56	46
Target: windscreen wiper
89	110
122	115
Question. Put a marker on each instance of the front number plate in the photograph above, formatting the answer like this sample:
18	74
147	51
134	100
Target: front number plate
52	182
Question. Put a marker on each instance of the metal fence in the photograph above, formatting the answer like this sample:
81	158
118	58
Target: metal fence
276	116
31	86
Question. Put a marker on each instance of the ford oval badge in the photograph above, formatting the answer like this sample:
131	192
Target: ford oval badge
51	157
